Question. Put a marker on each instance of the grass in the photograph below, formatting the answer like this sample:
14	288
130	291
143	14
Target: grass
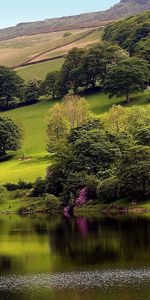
18	50
32	120
14	204
100	103
39	71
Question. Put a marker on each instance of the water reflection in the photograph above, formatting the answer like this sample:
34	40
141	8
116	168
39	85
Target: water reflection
79	253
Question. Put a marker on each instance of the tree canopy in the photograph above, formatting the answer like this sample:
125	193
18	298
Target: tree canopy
10	135
11	87
126	77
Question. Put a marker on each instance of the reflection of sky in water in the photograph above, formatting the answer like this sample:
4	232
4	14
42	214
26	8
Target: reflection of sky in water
71	280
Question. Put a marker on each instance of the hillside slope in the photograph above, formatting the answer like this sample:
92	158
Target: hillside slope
22	50
122	9
120	32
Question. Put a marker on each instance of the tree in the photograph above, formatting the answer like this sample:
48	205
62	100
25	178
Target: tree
127	76
32	91
11	87
86	68
142	50
50	85
115	120
76	110
98	59
90	124
61	118
57	128
70	69
142	135
10	135
95	153
134	172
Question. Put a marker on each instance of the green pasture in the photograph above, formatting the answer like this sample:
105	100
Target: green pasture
39	71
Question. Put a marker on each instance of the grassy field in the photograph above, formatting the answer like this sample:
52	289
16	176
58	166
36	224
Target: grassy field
32	119
19	50
39	71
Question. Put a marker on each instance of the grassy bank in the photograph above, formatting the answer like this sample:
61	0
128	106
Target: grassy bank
119	207
33	205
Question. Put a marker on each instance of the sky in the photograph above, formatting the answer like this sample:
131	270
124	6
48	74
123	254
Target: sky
13	12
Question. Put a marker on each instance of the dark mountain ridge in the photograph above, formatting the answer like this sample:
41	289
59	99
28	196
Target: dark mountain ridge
123	9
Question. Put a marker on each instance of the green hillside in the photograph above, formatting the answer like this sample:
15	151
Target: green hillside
39	71
32	119
137	40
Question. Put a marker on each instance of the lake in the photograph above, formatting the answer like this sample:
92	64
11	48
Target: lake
51	258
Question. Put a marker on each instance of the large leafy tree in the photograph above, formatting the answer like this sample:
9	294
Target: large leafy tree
10	135
32	91
126	77
50	85
94	151
84	69
11	87
61	118
134	171
70	72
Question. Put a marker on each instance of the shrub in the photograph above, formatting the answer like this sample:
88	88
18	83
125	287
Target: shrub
21	185
52	202
4	195
20	194
39	188
108	190
67	34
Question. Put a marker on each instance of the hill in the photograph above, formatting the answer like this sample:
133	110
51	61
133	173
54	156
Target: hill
27	50
137	40
120	10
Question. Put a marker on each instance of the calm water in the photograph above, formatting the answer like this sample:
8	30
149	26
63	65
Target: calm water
51	258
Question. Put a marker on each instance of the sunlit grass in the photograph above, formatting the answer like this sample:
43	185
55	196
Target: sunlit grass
39	71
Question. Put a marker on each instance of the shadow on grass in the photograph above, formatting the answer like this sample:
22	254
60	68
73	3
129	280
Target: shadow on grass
6	157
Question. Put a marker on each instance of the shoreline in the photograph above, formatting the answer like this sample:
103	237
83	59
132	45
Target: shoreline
85	211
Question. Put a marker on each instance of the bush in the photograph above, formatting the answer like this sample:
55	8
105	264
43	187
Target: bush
17	194
21	185
108	190
39	188
4	195
67	34
52	202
